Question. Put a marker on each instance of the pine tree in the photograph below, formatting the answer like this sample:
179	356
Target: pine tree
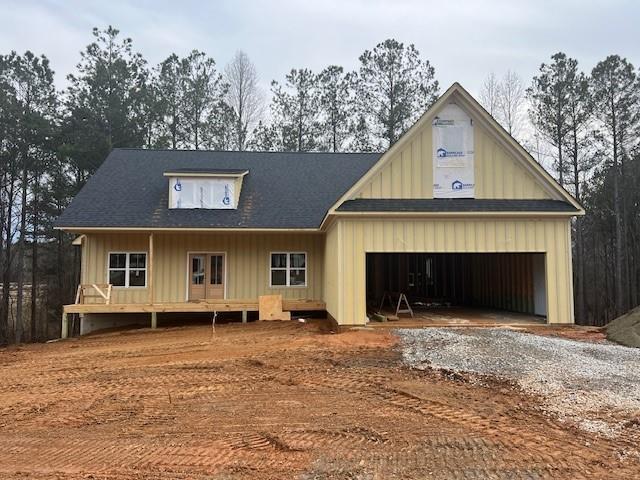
105	101
549	96
295	110
395	86
203	94
170	92
336	99
616	94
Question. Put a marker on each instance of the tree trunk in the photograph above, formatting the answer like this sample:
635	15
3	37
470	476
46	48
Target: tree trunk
20	255
34	265
8	259
617	207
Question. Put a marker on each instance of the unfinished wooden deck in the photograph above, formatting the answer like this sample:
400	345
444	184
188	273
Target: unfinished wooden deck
191	307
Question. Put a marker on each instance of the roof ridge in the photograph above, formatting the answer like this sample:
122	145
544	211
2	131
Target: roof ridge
243	151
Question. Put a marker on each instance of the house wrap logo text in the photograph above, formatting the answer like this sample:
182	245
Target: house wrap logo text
441	152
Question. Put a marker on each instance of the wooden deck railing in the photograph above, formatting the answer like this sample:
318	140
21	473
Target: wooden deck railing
102	290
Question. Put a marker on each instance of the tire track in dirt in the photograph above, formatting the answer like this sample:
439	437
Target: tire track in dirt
265	401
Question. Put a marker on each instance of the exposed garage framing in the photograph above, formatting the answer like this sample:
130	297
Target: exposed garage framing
513	282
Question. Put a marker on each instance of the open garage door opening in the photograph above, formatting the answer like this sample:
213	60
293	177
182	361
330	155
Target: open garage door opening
459	287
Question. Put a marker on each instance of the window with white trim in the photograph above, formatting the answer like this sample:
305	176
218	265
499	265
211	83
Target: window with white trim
127	269
288	269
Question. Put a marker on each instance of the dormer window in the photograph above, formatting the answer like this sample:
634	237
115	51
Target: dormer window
209	189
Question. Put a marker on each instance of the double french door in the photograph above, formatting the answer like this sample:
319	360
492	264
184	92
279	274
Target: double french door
206	276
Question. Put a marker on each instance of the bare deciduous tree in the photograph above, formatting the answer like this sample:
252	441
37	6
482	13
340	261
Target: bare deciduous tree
489	94
510	102
244	96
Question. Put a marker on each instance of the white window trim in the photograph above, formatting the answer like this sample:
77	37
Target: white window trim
288	269
127	269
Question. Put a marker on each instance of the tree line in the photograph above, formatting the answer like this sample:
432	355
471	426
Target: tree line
52	141
587	125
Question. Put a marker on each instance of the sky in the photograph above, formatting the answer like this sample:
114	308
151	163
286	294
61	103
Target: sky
463	39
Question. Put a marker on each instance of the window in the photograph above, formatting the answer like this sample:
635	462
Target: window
288	269
128	269
209	193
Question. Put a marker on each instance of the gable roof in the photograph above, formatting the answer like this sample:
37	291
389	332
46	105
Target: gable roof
471	105
281	190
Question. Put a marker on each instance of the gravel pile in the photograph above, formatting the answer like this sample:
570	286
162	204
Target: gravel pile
595	385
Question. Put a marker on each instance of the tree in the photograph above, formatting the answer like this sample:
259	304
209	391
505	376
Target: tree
489	94
550	110
265	138
395	86
615	91
33	116
511	95
9	174
294	108
105	100
170	97
336	98
244	96
362	141
204	92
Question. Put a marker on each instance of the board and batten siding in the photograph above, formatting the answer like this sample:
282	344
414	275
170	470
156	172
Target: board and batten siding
247	262
357	237
409	173
332	264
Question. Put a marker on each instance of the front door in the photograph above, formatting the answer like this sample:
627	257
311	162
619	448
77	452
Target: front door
206	276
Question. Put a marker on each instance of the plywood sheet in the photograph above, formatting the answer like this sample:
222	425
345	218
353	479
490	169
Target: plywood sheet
270	308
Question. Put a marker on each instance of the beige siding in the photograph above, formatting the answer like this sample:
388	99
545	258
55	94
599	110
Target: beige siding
409	173
357	237
247	256
94	262
332	263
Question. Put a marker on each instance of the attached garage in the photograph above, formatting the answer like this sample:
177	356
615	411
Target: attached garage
509	282
456	213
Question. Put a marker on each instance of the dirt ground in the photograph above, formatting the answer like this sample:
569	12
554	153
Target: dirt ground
272	401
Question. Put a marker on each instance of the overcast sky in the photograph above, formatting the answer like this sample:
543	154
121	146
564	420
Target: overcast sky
464	40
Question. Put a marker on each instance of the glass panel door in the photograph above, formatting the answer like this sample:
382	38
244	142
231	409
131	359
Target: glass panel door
197	276
215	284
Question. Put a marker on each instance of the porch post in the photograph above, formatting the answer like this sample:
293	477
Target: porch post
64	331
150	271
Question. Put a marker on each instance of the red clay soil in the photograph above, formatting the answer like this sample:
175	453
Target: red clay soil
272	401
571	332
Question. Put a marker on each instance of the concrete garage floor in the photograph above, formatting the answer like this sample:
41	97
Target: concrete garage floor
460	316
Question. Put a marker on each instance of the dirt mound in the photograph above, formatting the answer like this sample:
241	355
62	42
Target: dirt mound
625	330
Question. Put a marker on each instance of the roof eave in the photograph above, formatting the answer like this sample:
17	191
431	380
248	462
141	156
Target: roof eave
485	213
90	229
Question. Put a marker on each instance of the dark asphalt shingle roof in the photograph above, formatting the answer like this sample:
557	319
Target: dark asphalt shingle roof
281	190
454	205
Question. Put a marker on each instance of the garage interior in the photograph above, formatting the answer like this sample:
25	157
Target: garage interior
458	287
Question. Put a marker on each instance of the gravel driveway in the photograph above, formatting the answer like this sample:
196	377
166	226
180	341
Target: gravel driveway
595	385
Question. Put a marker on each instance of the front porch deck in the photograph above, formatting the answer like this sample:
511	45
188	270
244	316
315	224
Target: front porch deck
191	307
211	306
